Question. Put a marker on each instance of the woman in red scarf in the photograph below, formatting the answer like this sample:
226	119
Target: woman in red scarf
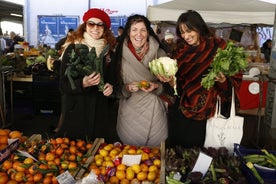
195	52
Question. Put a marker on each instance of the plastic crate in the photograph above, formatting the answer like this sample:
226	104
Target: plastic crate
268	175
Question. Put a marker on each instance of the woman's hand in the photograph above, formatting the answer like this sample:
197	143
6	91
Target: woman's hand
152	86
220	78
108	89
164	79
91	80
132	87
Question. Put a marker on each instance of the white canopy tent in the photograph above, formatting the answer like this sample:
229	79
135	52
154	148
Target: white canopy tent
216	11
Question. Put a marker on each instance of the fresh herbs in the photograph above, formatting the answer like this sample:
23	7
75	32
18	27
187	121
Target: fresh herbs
229	61
84	62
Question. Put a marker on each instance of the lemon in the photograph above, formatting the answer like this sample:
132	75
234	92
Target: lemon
153	168
103	152
130	174
99	162
145	156
108	147
107	158
157	162
120	175
121	167
139	151
132	151
136	168
151	176
97	156
109	163
114	152
141	176
124	181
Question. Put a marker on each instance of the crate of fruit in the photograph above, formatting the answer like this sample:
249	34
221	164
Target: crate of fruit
259	165
119	163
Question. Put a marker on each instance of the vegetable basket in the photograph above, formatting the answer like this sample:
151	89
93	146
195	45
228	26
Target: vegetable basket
267	174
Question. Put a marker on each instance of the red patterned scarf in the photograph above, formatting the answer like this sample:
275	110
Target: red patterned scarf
197	102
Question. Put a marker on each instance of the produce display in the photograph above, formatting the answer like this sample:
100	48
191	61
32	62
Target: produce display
49	159
109	165
224	169
38	161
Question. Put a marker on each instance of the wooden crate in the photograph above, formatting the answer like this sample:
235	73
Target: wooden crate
81	171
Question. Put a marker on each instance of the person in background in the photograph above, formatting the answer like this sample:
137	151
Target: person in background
15	40
266	49
194	53
3	45
142	118
168	42
120	32
59	44
87	112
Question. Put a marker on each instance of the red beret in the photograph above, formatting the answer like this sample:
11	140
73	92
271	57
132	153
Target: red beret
97	13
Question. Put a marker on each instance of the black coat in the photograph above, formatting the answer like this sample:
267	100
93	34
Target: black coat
87	112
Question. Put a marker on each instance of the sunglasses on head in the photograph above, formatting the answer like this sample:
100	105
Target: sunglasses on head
93	24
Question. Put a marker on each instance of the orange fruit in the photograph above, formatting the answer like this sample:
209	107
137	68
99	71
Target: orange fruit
114	180
15	134
80	143
12	182
18	166
28	160
3	178
59	140
50	157
124	181
6	165
19	176
73	149
47	180
38	177
72	165
4	139
59	151
4	132
144	84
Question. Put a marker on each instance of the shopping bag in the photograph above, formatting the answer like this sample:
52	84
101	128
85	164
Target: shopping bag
224	132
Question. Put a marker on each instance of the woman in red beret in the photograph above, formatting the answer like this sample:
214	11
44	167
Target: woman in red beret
86	80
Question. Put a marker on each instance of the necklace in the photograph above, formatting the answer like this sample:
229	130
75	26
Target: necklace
138	51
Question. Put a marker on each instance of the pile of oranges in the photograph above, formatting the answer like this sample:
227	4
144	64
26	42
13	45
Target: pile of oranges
110	169
50	158
6	134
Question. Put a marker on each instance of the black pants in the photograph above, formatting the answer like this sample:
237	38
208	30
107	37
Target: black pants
184	131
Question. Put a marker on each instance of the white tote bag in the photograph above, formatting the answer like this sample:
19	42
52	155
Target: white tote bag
224	132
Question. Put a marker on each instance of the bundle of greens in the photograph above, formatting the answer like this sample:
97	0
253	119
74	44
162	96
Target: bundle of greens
84	62
229	61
